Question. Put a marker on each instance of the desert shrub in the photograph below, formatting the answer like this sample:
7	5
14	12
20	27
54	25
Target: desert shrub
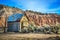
42	29
47	30
55	29
37	30
25	30
58	28
31	28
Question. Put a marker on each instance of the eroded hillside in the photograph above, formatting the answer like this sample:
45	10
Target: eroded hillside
35	18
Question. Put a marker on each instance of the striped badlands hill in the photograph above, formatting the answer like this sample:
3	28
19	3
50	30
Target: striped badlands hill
42	19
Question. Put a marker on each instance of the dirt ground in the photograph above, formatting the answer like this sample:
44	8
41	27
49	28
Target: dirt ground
28	36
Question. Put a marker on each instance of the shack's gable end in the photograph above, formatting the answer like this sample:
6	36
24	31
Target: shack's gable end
24	18
24	21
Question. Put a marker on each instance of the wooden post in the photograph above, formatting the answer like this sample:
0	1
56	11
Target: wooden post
20	27
5	28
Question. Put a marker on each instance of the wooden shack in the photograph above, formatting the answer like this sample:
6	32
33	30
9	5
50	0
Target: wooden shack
16	22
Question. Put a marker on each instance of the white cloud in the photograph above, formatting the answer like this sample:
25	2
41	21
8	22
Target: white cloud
55	10
37	5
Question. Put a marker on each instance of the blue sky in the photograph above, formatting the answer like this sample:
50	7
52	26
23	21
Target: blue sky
45	6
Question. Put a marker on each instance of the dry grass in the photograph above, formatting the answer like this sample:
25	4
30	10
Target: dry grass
29	36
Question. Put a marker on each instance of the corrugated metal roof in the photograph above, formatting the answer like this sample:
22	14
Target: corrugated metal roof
15	17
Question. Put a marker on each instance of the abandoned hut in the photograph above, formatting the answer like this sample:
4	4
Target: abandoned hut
16	22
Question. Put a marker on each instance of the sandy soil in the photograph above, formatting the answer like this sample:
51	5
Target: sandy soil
29	35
